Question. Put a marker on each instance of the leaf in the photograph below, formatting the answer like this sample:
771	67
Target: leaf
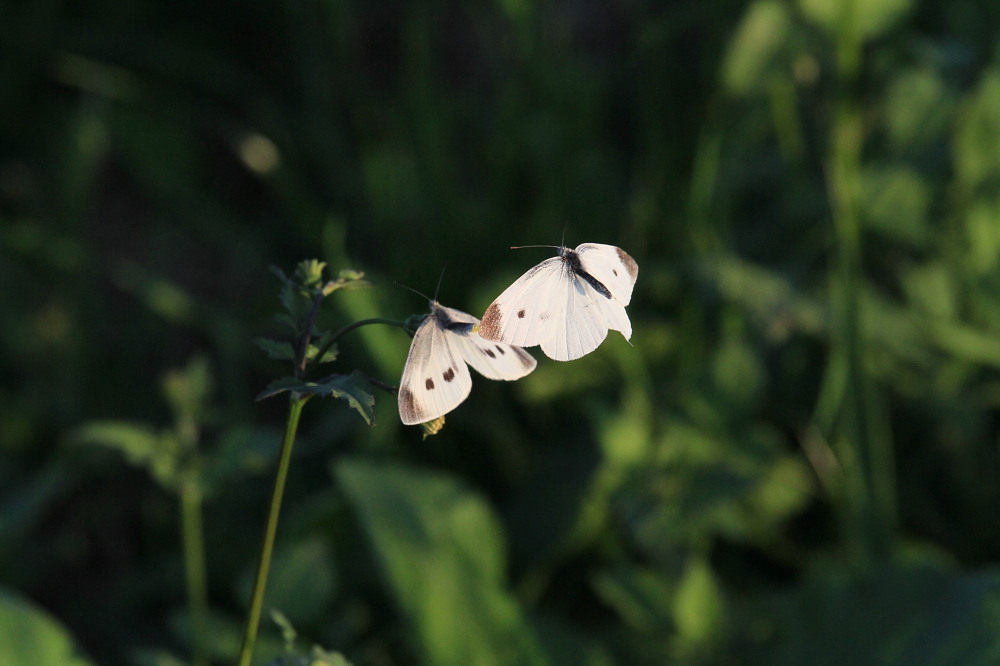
309	272
913	614
29	635
188	389
441	553
355	388
755	47
141	445
699	609
870	18
640	596
303	578
278	350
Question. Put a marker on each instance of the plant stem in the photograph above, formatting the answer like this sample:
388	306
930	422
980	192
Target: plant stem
194	567
350	327
267	547
869	495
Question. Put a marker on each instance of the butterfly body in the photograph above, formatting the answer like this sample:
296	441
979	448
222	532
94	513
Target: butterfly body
566	304
436	376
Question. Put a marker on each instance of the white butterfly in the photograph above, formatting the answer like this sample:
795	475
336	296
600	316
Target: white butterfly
566	304
435	377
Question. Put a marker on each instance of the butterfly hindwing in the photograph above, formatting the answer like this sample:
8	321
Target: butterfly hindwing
612	266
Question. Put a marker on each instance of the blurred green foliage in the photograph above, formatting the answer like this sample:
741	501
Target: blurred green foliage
795	461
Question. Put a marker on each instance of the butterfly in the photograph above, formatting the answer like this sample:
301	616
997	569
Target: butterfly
435	377
566	304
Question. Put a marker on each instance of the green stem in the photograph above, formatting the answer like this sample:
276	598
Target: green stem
350	327
866	457
193	538
267	547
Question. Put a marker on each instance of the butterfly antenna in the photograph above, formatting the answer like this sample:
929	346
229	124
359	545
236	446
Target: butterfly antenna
521	247
562	243
418	293
440	277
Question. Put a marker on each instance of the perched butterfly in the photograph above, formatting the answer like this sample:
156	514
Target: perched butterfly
435	377
566	304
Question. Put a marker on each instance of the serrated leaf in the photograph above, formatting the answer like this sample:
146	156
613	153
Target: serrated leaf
280	386
309	272
355	388
276	349
347	279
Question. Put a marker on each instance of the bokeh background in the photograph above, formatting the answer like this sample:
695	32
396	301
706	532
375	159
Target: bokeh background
794	462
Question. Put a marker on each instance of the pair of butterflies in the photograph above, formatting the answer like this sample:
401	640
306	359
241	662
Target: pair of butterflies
566	304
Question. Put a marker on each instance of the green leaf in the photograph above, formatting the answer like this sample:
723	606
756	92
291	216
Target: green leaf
754	49
912	614
309	272
640	596
441	553
302	579
278	350
347	279
188	389
29	635
699	609
141	445
355	388
870	18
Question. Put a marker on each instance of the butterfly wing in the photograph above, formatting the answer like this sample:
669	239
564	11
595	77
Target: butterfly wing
491	359
588	314
530	310
552	306
434	380
612	267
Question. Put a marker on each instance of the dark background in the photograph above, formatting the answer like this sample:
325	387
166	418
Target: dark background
794	462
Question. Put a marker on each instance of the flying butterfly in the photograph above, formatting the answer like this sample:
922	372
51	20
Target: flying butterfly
567	304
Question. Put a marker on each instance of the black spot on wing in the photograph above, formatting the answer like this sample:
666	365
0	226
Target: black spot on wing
500	349
429	384
527	360
520	313
448	375
489	352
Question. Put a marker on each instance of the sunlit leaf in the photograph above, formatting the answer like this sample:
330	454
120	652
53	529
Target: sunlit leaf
699	608
440	549
29	635
142	446
868	18
755	46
